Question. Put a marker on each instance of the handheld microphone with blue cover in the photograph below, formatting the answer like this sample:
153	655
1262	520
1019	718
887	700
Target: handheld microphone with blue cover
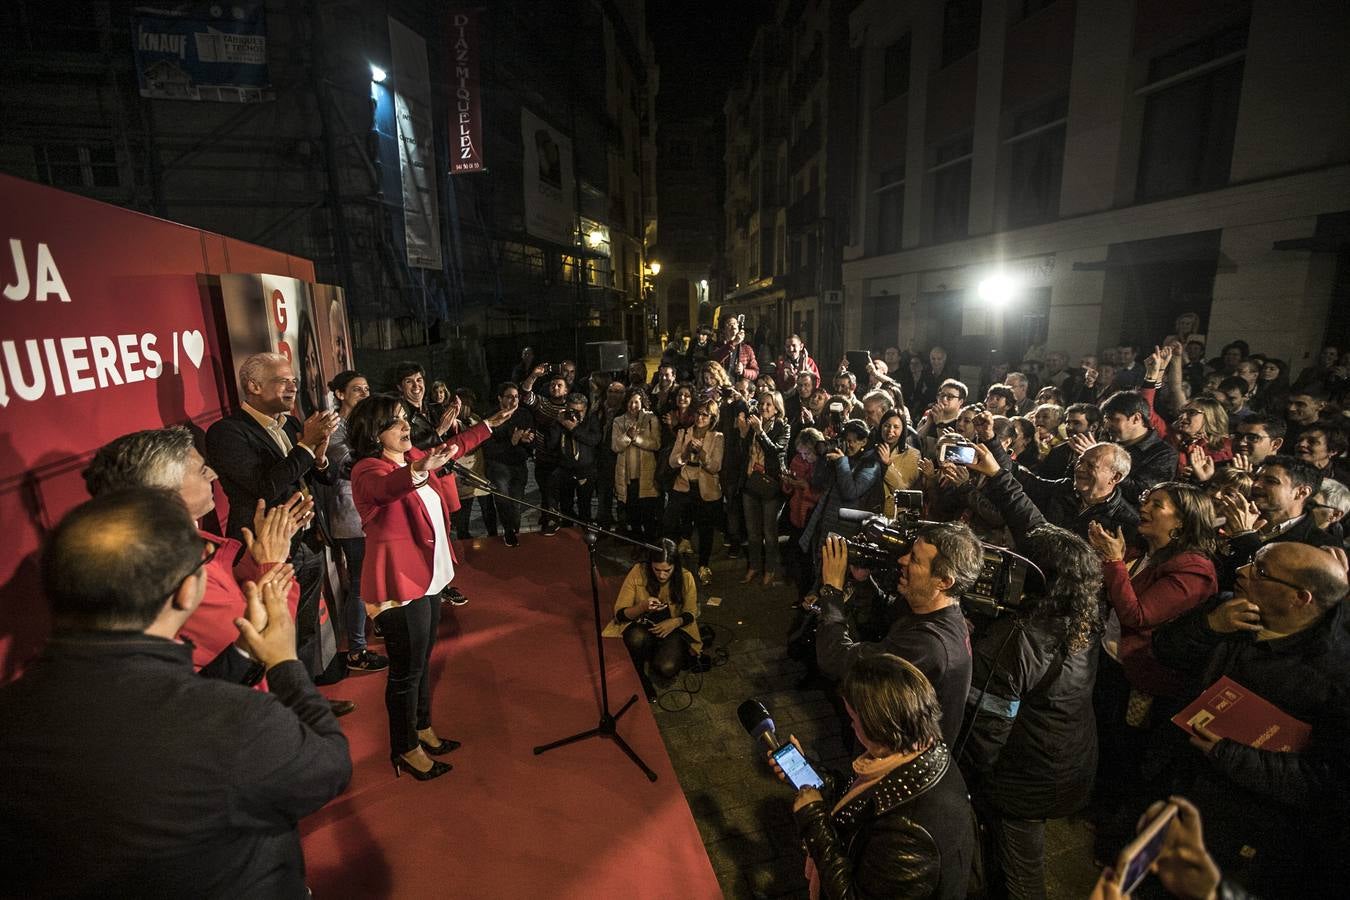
757	722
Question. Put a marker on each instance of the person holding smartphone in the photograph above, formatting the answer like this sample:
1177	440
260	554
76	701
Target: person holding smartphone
656	613
901	825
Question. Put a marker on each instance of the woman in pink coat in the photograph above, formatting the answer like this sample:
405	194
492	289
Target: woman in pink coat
405	510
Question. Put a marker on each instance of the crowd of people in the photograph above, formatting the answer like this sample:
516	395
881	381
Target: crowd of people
1185	516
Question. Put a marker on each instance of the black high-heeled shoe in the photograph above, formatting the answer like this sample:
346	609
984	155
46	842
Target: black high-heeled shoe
401	765
445	746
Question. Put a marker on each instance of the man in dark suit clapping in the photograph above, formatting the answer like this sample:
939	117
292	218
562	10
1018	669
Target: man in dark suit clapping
263	452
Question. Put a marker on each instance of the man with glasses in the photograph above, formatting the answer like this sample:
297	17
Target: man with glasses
1276	816
944	412
1256	439
262	452
1275	513
176	785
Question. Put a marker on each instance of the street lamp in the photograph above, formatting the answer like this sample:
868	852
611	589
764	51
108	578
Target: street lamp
377	74
998	289
654	267
595	238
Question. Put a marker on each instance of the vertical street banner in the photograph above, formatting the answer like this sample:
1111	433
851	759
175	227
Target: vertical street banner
466	116
416	143
550	193
202	51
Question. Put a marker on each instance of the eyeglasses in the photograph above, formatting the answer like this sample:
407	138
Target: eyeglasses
1263	574
1246	436
209	553
949	396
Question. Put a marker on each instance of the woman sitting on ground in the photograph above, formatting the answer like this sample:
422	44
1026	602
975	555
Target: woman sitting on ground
902	826
657	615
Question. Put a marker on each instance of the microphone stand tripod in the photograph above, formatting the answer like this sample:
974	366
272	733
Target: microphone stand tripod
591	534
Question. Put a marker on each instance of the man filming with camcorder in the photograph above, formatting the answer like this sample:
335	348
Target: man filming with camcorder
935	563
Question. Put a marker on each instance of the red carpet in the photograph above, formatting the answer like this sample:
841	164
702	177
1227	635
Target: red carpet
514	668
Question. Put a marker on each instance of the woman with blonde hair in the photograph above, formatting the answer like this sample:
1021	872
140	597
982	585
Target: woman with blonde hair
696	458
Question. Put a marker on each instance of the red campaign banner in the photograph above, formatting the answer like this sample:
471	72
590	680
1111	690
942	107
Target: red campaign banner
109	324
466	116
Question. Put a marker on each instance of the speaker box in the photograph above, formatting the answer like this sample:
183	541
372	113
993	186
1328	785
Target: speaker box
606	356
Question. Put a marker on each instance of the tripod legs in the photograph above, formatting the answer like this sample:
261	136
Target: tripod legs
607	729
608	721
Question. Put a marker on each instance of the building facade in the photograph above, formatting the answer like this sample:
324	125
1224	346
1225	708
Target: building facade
1115	164
790	127
310	164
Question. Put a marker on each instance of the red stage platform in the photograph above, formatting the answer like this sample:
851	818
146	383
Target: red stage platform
514	668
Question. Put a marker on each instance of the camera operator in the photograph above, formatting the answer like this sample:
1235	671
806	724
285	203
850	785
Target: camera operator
930	632
1030	745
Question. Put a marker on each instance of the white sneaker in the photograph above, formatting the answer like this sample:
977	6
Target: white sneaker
704	576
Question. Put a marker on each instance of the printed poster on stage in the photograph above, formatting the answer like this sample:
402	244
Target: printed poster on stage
550	195
416	143
274	313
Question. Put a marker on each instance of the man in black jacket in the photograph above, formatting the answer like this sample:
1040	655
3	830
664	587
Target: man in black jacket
548	409
1284	636
931	634
1125	416
1091	494
578	437
196	785
430	423
262	452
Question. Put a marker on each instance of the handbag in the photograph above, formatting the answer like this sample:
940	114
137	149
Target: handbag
761	485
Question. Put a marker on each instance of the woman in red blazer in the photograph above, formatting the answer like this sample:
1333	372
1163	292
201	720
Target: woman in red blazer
405	512
1173	575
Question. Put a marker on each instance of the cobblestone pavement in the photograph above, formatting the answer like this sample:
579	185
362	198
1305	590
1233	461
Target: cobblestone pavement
742	811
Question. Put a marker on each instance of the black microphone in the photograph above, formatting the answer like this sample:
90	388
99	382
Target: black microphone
469	475
757	722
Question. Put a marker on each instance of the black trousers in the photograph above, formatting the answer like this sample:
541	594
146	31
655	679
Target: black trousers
546	476
681	506
642	514
308	564
575	490
666	656
409	636
508	479
485	505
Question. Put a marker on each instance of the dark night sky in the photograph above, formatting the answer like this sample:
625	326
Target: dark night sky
701	46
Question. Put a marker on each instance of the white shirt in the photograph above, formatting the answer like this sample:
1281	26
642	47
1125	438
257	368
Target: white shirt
443	564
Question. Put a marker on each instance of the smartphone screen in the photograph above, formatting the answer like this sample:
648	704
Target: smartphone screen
798	771
963	454
1143	850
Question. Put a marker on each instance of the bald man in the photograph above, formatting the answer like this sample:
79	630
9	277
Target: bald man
1284	637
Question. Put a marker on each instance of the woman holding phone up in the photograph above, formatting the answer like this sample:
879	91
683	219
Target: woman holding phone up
405	510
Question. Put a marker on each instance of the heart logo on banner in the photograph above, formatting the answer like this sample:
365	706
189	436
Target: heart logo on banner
194	345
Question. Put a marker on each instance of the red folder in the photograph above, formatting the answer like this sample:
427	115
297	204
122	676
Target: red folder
1230	710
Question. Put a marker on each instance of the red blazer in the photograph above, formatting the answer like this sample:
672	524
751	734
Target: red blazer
400	538
1155	596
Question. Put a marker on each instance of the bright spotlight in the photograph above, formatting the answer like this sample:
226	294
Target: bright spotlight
655	268
377	74
997	290
595	238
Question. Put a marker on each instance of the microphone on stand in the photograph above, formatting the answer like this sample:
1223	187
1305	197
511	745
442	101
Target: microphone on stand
469	475
757	722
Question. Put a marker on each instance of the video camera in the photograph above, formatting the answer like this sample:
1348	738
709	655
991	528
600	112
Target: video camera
1005	578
